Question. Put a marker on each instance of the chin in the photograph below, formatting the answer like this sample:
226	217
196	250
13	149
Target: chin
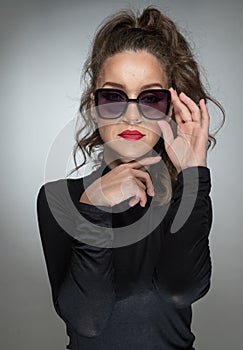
128	151
134	154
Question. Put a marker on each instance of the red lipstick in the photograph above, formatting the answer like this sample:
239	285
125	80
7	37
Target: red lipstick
131	135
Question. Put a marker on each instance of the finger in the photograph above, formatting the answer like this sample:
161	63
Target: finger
205	120
181	111
166	131
140	184
143	198
146	178
140	197
142	162
133	201
192	106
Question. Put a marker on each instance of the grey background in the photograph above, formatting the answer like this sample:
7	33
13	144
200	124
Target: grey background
43	47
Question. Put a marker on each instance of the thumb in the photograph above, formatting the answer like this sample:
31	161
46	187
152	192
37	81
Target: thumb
166	132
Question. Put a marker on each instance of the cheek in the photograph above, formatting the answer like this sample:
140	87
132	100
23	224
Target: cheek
154	130
102	132
105	131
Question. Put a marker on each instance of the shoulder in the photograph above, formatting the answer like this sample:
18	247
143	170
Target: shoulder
62	189
55	204
59	190
52	188
63	193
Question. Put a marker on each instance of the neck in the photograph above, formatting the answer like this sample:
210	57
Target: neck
113	159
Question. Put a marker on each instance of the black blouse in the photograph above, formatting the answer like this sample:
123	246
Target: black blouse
114	296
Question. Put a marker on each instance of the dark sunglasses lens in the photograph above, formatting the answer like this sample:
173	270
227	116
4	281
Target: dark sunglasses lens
110	103
154	104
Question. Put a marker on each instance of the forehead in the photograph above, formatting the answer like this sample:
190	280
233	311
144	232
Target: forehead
132	70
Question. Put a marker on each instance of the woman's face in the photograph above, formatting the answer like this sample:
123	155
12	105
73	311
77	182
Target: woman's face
131	72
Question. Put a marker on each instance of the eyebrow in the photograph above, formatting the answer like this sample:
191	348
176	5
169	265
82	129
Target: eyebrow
120	86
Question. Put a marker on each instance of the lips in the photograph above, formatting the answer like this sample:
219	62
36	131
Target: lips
131	135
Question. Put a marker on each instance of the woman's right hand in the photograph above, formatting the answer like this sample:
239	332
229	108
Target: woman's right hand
127	180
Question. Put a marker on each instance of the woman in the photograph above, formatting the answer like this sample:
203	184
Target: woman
126	247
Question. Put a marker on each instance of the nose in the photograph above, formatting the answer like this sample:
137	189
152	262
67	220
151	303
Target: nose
132	114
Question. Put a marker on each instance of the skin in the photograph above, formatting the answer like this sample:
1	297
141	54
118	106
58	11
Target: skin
134	72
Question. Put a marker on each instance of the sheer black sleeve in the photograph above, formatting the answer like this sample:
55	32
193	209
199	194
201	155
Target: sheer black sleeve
183	269
80	275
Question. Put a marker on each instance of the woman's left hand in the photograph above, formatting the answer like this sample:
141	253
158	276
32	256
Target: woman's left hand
189	147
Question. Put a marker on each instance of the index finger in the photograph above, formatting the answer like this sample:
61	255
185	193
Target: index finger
142	162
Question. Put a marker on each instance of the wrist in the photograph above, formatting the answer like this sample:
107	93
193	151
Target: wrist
90	197
197	163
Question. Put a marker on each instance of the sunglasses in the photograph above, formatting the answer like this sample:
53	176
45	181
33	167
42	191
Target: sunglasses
152	104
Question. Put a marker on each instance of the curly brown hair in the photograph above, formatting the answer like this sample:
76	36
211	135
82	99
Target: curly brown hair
159	36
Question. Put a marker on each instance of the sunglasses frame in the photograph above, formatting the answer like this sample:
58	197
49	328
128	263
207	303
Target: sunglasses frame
136	100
